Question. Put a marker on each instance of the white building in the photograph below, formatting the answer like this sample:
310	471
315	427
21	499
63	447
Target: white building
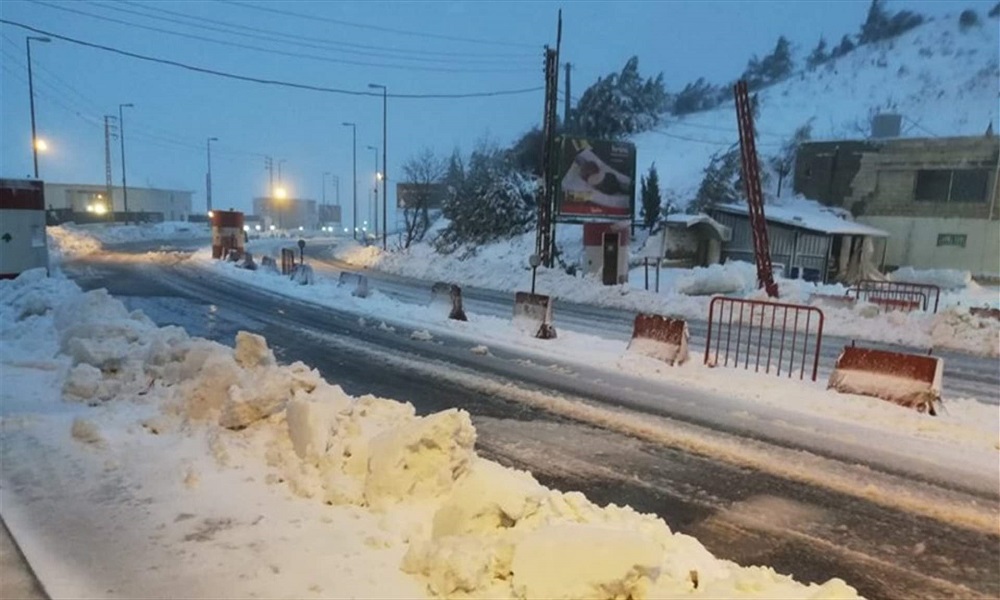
151	204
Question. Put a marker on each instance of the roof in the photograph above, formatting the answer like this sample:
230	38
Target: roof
724	233
807	215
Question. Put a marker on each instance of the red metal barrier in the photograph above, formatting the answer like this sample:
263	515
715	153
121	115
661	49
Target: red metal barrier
787	335
897	294
985	313
287	260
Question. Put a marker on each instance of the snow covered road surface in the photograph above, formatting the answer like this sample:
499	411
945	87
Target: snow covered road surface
285	322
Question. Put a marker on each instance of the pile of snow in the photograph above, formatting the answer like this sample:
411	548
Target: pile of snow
734	277
69	242
461	524
946	279
116	233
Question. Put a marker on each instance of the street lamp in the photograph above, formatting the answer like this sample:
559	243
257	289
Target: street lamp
375	222
208	177
121	128
385	163
325	175
354	138
36	144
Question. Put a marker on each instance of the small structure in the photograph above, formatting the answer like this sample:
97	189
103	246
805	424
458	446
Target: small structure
694	240
227	233
938	198
91	203
289	213
605	248
22	227
807	241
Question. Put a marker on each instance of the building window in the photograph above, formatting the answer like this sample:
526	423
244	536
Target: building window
951	185
952	239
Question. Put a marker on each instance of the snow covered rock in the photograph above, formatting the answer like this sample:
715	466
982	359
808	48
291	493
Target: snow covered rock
252	351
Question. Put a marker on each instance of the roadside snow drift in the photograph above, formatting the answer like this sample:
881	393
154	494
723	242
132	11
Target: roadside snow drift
408	495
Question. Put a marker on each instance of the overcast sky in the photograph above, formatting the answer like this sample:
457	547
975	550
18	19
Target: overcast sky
413	48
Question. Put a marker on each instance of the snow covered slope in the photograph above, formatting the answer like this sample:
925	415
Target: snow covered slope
943	81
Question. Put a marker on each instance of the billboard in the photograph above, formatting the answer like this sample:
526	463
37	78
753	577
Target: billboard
596	178
329	213
411	195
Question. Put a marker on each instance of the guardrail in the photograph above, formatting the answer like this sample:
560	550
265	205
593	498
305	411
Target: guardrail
772	335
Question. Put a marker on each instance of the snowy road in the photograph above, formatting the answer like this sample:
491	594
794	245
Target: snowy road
751	515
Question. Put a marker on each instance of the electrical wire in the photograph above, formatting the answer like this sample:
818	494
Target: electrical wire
314	18
316	57
299	39
263	81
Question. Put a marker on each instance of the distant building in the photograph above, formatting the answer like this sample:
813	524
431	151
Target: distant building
83	202
287	213
937	197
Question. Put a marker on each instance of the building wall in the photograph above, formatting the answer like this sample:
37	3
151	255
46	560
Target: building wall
914	241
174	205
824	171
790	247
287	213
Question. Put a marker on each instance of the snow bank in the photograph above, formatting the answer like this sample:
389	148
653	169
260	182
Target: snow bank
731	278
465	525
946	279
68	242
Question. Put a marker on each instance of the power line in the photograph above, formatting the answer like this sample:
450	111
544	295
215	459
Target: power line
344	61
314	18
275	82
299	39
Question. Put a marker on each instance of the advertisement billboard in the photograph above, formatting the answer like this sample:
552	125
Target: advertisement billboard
596	178
417	195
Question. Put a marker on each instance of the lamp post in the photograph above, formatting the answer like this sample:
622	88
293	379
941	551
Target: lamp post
385	163
325	175
31	99
121	131
354	210
208	176
375	222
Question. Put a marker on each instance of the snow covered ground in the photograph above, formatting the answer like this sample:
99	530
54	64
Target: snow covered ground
139	461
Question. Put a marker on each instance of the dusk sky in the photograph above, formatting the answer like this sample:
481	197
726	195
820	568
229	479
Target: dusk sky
412	48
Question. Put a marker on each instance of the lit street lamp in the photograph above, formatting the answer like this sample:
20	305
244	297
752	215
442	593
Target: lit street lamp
208	177
385	163
36	144
354	141
121	131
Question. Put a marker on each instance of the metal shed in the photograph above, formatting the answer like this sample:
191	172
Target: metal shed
807	242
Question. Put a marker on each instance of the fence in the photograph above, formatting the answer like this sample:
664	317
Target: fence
897	294
787	335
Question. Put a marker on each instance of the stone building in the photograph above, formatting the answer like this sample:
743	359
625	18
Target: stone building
936	197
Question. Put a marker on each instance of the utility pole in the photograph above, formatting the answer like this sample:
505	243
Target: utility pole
375	220
545	239
121	134
31	99
325	174
566	107
269	167
354	153
279	171
385	161
108	181
208	176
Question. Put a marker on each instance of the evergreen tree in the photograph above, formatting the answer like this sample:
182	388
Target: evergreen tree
881	25
845	46
968	19
697	96
773	67
995	11
819	54
784	161
650	197
721	182
621	104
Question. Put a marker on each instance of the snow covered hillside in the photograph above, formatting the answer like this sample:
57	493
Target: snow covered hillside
239	476
942	80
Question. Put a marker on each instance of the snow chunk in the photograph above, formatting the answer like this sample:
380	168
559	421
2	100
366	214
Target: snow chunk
946	279
252	351
86	431
82	382
480	350
421	459
732	277
584	561
421	335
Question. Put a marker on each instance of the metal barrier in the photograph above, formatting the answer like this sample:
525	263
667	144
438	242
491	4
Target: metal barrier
659	337
787	331
897	294
985	313
287	261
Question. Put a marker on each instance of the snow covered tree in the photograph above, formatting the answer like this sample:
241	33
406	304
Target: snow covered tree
527	152
696	97
650	198
494	201
621	104
881	25
771	68
819	54
784	161
424	171
845	46
720	184
995	11
968	19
